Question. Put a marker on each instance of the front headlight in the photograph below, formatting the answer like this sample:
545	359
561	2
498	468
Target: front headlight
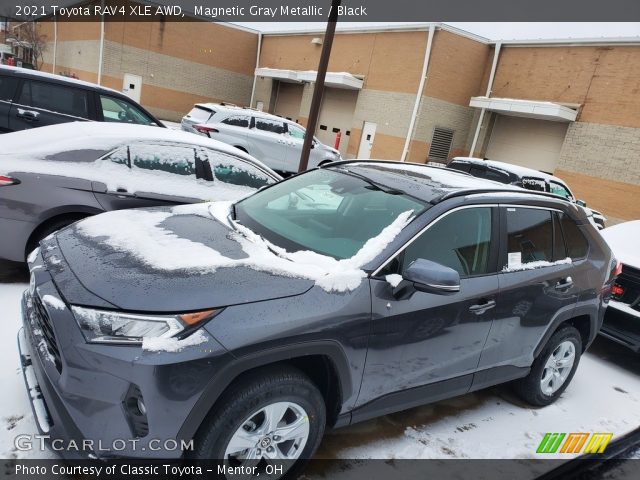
107	326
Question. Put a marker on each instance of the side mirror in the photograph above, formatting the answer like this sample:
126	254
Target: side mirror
582	203
432	277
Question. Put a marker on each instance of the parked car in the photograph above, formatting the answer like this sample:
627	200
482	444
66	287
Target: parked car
523	177
274	140
29	99
74	170
252	327
622	319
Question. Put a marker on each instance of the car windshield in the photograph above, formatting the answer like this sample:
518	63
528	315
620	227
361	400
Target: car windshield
324	211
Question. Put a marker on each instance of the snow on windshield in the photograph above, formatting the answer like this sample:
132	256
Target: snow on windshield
141	234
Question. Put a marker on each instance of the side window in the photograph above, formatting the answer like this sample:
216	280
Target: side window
559	189
295	131
237	121
56	98
268	125
478	172
534	183
173	159
466	250
234	171
120	156
529	236
577	245
559	250
118	110
8	87
496	175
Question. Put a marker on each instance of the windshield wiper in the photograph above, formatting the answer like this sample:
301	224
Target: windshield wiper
376	185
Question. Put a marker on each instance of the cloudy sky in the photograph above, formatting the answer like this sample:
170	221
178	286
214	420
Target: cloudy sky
495	30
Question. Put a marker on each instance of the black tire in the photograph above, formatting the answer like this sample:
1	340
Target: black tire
249	395
529	388
44	231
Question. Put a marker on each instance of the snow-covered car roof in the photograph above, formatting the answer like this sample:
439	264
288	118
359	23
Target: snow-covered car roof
623	240
510	167
104	137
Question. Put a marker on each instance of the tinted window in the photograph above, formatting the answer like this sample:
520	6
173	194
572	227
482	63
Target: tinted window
237	121
232	170
529	235
496	175
167	158
56	98
269	125
577	246
120	156
559	250
463	167
8	87
534	183
466	250
118	110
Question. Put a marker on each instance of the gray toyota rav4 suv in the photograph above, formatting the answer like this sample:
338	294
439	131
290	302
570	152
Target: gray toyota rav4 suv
340	294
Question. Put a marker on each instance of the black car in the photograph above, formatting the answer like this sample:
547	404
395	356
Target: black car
523	177
337	295
30	99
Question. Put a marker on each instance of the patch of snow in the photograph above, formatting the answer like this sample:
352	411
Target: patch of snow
533	265
53	302
624	307
32	256
623	241
173	345
117	176
394	279
141	234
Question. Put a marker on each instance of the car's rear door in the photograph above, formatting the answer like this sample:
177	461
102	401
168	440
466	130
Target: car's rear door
538	286
426	346
41	103
8	86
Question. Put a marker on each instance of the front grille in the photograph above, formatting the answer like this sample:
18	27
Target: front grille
43	322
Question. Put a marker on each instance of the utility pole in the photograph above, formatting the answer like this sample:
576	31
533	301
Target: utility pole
319	87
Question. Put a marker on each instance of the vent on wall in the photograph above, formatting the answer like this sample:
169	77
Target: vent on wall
441	144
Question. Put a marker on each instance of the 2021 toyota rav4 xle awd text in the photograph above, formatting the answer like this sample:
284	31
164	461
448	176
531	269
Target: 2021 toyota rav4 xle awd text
335	296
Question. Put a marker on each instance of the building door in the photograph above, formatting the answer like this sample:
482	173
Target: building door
366	141
336	115
132	86
288	100
527	142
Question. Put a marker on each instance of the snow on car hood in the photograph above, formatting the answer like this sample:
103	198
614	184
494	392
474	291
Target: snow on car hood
192	257
623	241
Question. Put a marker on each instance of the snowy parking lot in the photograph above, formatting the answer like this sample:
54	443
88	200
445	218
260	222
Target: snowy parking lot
603	397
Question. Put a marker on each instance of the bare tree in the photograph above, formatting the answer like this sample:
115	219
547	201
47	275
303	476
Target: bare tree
30	44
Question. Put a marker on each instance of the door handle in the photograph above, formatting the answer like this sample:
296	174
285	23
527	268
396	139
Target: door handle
29	115
122	193
564	284
480	308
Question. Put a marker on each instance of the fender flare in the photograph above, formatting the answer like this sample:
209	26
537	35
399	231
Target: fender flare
218	384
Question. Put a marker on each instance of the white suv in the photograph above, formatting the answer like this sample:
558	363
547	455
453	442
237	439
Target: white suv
273	140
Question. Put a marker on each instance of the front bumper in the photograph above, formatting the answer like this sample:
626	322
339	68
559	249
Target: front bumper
622	325
81	393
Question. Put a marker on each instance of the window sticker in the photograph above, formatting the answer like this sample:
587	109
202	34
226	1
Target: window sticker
514	259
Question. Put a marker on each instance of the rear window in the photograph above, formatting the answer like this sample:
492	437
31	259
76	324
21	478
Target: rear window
200	114
56	98
8	87
577	245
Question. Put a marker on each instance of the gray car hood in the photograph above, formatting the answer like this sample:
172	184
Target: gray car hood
148	260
